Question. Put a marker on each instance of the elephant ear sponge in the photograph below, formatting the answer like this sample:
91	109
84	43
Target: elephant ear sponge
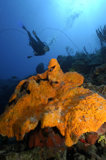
55	99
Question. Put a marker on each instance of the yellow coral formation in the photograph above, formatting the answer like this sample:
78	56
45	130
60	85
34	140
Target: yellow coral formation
56	100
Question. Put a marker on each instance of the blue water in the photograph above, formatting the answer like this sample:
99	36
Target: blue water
67	22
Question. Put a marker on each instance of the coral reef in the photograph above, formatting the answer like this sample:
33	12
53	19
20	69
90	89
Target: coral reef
101	33
85	63
47	137
56	100
65	62
13	150
92	152
98	76
11	153
101	89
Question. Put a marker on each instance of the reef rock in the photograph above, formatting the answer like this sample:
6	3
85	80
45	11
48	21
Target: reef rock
98	76
56	100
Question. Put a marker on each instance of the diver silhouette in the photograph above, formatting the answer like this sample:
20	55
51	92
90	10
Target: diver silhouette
39	47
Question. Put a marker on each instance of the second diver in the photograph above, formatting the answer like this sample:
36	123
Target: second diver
39	47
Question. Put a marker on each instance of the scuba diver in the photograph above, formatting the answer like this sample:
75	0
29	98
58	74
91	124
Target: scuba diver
39	47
